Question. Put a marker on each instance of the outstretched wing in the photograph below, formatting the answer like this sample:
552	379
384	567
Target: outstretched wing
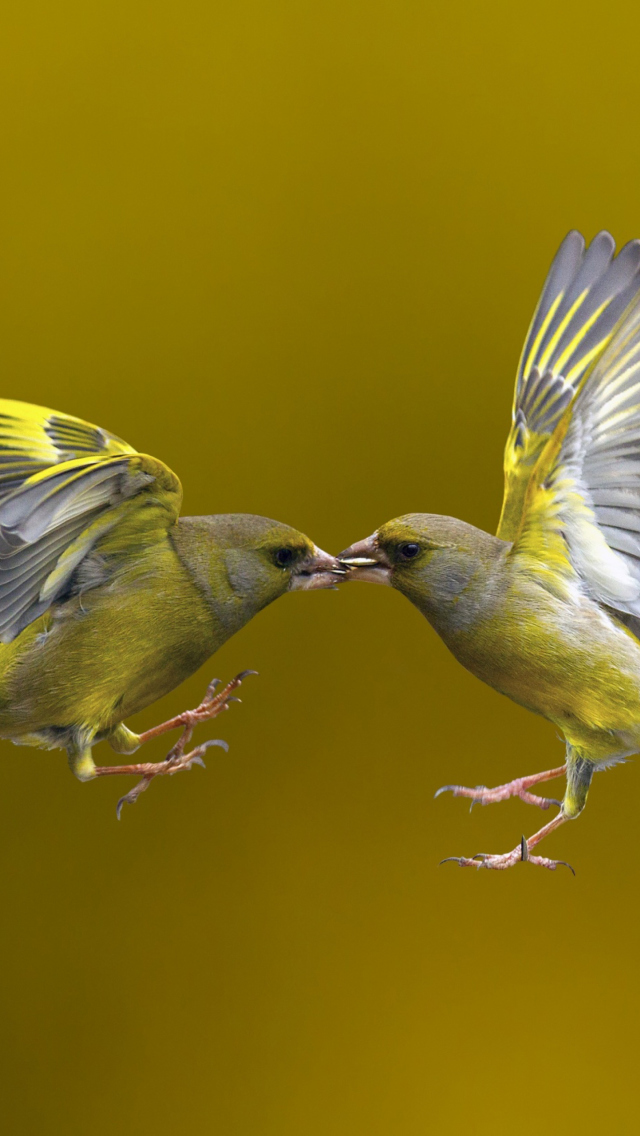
63	485
582	512
584	297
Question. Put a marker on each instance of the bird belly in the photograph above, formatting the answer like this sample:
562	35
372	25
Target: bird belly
570	662
102	657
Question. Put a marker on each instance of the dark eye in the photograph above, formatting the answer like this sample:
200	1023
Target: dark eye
284	556
408	550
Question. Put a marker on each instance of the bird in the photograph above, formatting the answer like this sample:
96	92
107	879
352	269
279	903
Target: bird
109	599
547	611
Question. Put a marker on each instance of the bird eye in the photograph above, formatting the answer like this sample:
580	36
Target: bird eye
408	550
284	556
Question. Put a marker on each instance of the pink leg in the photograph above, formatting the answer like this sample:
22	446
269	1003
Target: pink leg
176	760
517	788
212	704
521	853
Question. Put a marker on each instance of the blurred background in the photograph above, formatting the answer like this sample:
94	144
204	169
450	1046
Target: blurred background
292	249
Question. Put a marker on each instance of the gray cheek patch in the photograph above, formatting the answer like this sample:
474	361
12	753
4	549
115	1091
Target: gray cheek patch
246	574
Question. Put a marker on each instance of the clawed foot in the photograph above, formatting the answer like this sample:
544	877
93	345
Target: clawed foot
519	787
212	704
177	760
519	855
173	763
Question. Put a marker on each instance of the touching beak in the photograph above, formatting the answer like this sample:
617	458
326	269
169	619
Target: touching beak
366	561
317	571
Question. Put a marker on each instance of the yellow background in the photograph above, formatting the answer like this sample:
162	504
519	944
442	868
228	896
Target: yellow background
292	248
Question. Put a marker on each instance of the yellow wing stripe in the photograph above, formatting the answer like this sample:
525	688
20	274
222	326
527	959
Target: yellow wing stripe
579	336
560	330
585	360
542	332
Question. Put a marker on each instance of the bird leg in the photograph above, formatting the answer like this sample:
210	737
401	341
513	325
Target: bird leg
579	773
212	704
176	760
520	854
519	787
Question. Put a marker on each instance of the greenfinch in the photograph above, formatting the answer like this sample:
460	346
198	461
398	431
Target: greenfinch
109	599
548	610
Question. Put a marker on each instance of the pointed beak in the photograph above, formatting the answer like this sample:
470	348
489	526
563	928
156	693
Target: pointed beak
318	571
366	561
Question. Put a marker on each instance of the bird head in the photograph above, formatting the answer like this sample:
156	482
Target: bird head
429	558
259	559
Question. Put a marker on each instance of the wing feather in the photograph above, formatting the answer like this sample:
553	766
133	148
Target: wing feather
585	488
63	485
586	295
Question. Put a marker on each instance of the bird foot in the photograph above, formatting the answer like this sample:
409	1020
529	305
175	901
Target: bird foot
519	787
176	760
520	854
173	763
212	704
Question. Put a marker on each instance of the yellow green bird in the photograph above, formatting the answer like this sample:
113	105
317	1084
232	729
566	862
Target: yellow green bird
109	599
548	610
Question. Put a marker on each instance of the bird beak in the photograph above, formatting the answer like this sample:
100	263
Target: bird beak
318	571
366	561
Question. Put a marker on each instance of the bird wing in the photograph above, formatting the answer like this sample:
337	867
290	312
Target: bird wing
586	293
582	504
63	485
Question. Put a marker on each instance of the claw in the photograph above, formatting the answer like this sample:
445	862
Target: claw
197	760
464	861
473	800
445	789
128	799
524	850
245	674
552	864
215	742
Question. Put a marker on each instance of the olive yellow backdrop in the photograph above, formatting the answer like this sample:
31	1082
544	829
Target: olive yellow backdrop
292	249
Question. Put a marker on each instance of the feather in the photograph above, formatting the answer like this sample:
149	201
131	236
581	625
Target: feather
64	484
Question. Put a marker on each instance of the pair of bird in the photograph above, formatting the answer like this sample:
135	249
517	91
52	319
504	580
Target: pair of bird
109	599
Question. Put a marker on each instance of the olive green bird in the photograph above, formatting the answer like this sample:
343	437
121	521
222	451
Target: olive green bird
548	610
109	599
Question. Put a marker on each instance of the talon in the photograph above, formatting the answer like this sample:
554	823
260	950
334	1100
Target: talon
524	850
245	674
466	862
474	800
128	799
445	789
197	760
566	865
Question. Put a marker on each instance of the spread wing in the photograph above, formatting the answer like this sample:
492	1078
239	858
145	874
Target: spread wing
582	510
63	485
583	300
